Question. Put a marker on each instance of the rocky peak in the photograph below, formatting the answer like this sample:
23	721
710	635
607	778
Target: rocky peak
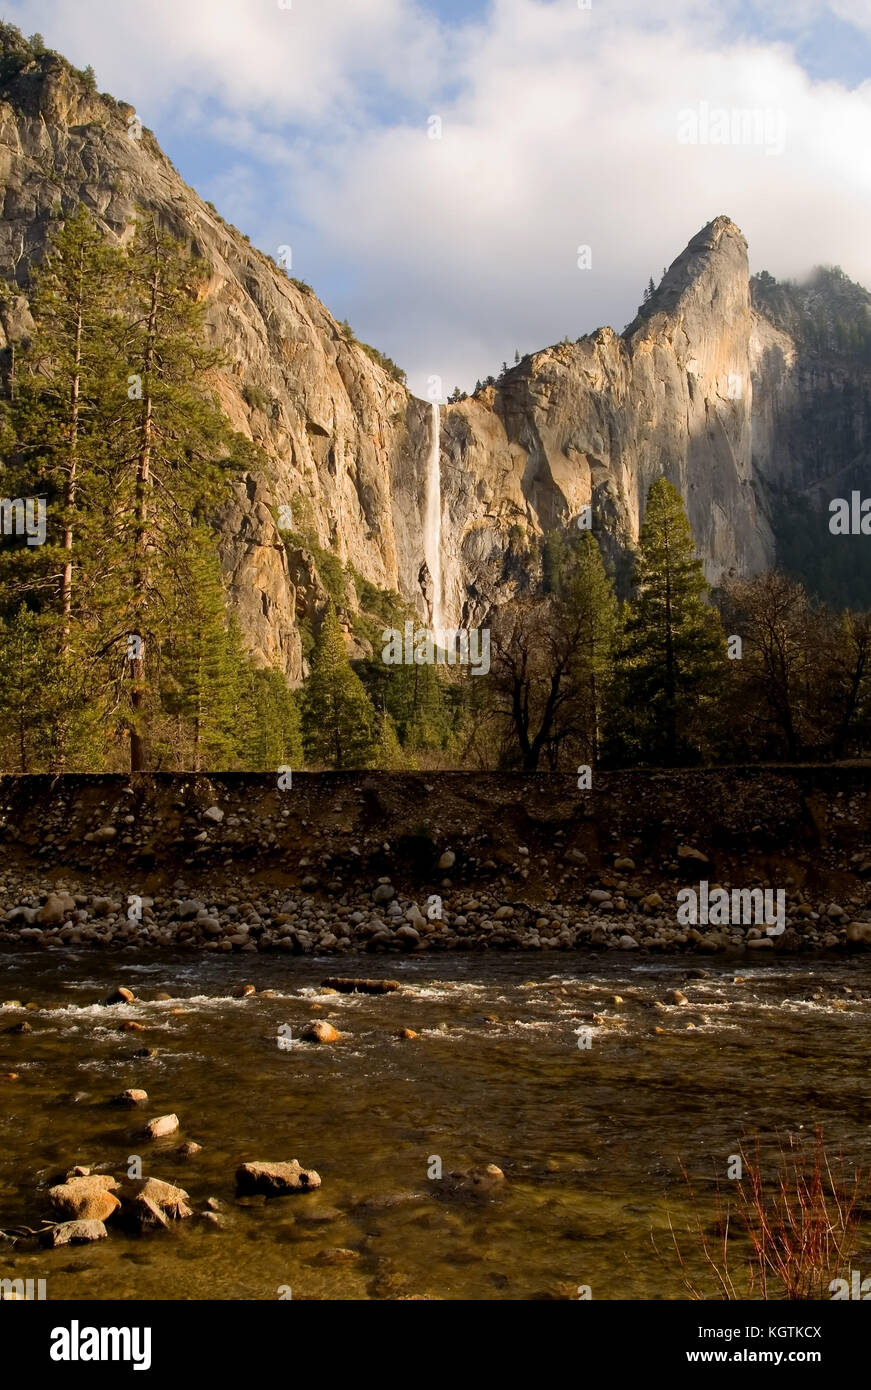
711	273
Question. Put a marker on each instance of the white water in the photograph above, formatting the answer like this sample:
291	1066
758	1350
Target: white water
432	524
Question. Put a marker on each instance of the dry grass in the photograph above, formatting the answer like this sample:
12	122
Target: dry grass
787	1235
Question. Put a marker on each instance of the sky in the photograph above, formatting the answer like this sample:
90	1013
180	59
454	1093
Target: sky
436	166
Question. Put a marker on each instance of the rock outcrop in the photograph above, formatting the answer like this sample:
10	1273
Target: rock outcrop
703	386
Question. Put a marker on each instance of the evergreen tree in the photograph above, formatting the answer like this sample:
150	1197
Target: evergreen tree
200	664
64	416
674	646
25	704
337	716
270	720
177	435
593	613
388	755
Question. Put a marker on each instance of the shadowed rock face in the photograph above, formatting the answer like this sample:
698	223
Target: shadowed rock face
591	422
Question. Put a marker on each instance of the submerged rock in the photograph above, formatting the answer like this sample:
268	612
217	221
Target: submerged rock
474	1180
74	1233
337	1255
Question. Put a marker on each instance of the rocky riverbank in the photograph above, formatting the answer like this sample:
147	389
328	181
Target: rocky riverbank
343	863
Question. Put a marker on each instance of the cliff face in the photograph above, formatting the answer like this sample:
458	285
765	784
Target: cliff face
343	439
596	421
703	386
811	358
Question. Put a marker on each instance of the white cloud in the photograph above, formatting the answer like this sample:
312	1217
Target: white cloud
307	62
559	128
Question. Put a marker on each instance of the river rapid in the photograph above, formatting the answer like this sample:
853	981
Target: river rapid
592	1138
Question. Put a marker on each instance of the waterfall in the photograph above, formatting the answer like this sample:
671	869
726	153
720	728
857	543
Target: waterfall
432	525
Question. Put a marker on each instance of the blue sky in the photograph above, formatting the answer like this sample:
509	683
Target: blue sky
310	126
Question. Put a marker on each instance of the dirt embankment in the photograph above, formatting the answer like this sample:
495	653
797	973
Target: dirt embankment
402	861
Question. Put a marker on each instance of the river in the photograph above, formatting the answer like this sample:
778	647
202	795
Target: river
591	1140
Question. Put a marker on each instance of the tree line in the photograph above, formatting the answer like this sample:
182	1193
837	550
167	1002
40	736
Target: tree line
676	674
118	650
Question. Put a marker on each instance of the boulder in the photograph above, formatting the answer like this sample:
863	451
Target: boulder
169	1200
189	908
275	1179
85	1199
143	1214
122	995
55	909
131	1097
163	1124
320	1032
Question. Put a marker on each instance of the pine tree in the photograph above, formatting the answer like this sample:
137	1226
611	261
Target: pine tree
592	606
200	665
64	418
337	716
177	434
270	720
25	672
674	644
388	755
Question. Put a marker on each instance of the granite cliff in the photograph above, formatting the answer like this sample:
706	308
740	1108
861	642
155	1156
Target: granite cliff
723	391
